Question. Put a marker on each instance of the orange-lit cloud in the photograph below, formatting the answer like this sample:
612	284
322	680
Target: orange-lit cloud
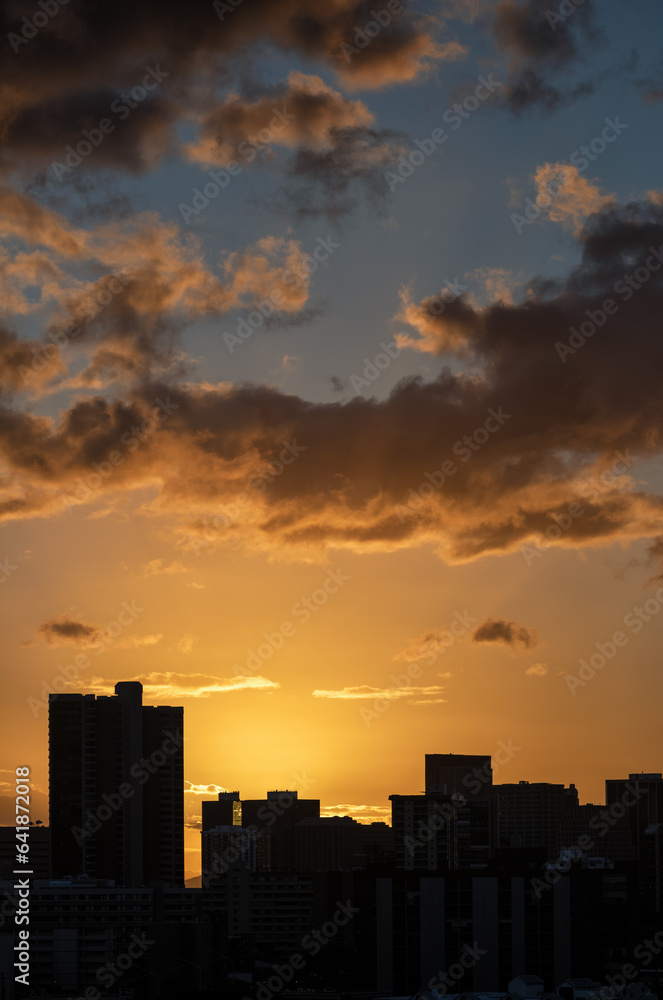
306	112
362	813
469	462
186	643
153	281
428	645
417	694
172	686
566	196
540	55
52	91
193	789
159	567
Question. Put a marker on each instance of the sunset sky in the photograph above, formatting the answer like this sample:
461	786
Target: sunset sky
330	385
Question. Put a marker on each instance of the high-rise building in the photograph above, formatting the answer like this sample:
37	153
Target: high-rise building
278	814
225	846
465	773
441	832
225	811
116	787
531	814
640	801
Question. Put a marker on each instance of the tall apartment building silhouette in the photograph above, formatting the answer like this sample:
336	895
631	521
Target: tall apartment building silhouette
116	787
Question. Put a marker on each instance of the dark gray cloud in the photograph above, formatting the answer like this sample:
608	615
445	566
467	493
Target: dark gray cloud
545	48
65	631
509	633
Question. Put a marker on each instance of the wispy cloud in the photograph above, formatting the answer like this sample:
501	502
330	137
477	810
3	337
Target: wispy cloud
537	670
212	789
424	695
426	645
362	813
172	686
159	567
186	643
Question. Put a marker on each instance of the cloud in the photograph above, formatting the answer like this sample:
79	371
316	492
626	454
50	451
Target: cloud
366	470
52	92
537	670
187	642
149	282
159	567
169	686
510	633
427	645
21	216
652	87
65	631
544	48
335	180
566	196
362	813
306	112
191	789
338	155
415	695
138	641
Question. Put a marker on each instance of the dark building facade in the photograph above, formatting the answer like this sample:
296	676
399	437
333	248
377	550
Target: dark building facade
465	773
441	832
116	788
278	815
531	814
639	801
226	811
